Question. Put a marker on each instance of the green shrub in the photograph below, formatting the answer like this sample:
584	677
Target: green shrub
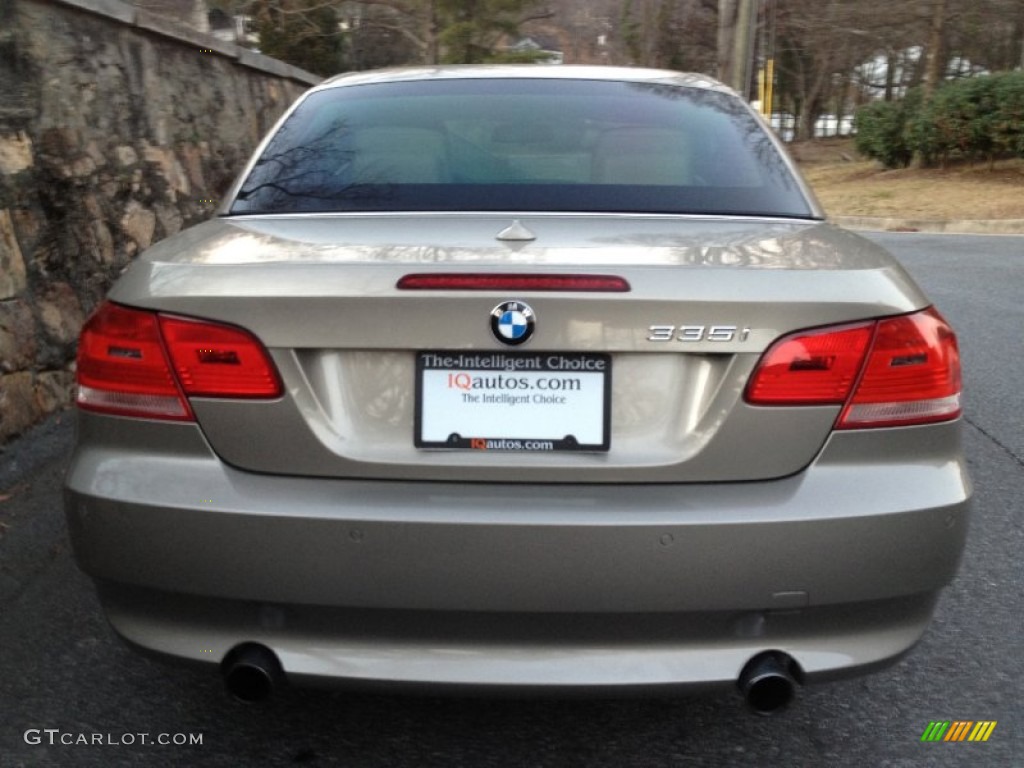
925	136
972	118
1008	120
882	132
961	115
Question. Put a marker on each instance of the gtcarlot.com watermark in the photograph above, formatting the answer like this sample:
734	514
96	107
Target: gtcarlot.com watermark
55	736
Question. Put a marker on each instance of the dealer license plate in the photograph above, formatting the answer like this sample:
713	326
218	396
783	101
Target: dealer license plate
503	401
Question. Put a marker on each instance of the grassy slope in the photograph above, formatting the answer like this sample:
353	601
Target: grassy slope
850	186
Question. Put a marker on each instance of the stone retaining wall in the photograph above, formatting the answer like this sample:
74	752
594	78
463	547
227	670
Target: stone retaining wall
117	128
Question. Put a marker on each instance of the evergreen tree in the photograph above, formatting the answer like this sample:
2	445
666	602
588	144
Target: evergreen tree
304	33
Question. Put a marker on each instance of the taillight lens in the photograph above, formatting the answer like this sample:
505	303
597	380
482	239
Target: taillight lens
218	361
811	368
891	372
137	363
912	375
122	367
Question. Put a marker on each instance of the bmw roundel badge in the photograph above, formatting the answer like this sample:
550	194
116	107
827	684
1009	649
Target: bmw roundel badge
512	322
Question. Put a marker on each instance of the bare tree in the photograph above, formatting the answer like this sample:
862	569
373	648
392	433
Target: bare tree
830	53
436	31
735	42
827	46
935	52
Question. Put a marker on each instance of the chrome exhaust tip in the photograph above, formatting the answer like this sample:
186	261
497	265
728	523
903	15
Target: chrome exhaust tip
768	681
251	672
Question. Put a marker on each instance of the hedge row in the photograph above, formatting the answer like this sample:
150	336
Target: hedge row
982	117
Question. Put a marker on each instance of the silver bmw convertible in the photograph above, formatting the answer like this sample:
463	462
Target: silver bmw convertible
520	378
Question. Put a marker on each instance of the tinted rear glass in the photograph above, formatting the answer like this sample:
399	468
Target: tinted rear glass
522	144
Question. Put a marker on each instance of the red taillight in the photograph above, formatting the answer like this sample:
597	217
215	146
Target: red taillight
122	367
816	367
912	375
218	361
892	372
474	281
125	364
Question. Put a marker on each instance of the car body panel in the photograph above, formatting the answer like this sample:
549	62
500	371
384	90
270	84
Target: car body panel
320	292
519	653
542	547
626	576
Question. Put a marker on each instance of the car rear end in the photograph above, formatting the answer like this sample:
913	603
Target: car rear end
503	446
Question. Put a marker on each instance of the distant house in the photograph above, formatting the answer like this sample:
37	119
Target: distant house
190	13
222	26
236	29
540	44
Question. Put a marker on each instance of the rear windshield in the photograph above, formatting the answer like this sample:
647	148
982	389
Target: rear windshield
521	145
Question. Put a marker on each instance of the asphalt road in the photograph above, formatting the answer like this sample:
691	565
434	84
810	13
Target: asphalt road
62	668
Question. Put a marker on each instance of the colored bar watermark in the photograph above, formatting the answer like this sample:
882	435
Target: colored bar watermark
958	730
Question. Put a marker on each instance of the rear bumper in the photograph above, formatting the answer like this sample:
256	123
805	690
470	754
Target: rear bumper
410	650
520	585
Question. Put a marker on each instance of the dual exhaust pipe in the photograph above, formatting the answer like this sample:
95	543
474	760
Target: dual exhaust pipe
251	672
768	681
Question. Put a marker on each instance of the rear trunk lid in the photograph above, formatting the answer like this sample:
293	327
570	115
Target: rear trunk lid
706	297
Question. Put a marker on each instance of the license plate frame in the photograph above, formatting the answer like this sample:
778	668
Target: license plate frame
520	402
